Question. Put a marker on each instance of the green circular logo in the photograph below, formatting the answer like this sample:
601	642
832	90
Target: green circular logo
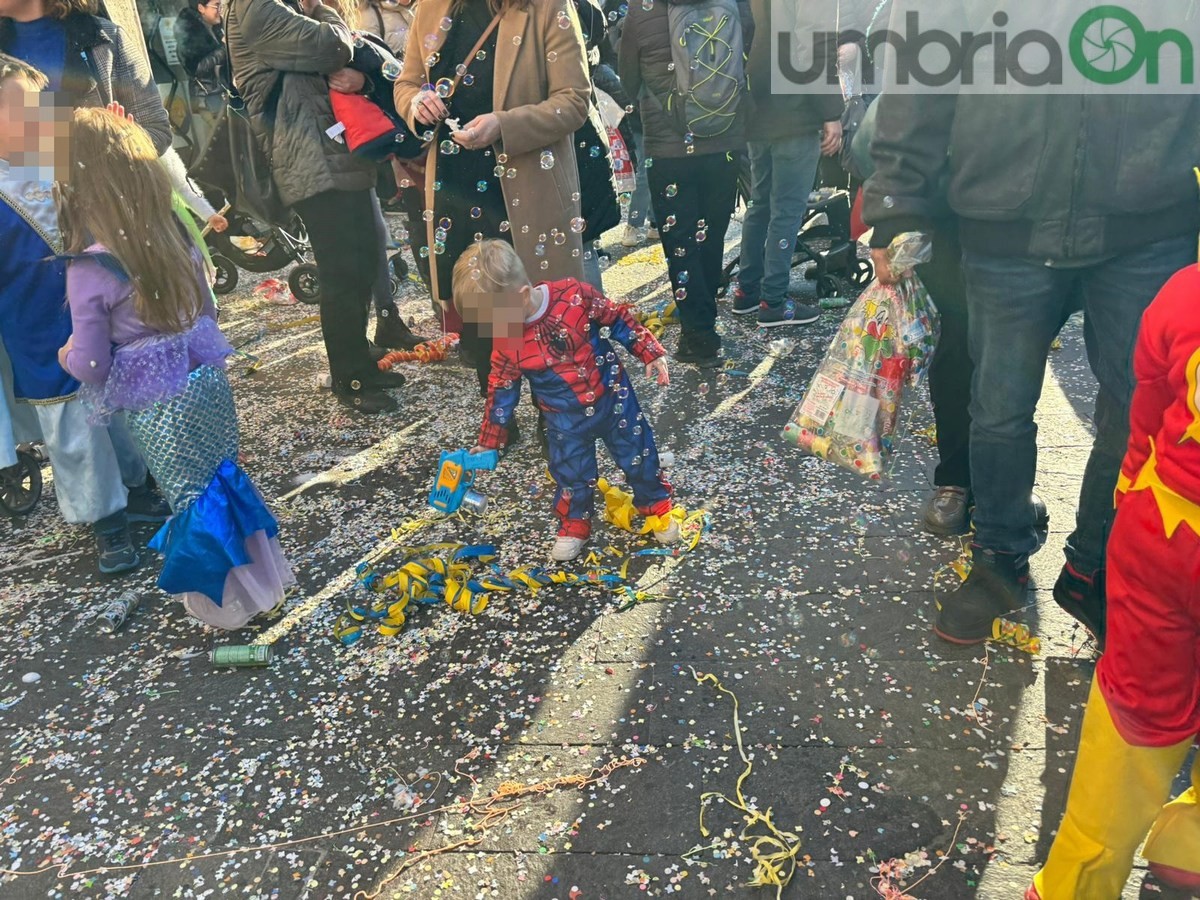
1107	44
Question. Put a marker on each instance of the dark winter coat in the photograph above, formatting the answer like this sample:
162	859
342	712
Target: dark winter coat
593	156
1046	176
780	117
201	51
268	41
104	66
645	71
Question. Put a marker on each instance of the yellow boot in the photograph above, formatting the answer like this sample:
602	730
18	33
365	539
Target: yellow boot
1116	793
1173	848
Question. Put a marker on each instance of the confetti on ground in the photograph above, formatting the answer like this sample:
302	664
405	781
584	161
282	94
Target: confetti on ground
321	775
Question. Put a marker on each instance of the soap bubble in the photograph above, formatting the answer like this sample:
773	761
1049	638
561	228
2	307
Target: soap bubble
504	226
446	24
672	190
468	79
516	40
578	225
552	56
481	186
547	159
476	212
390	70
444	222
681	294
444	87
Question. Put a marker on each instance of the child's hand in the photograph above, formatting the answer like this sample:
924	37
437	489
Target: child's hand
218	222
64	350
658	371
119	111
478	448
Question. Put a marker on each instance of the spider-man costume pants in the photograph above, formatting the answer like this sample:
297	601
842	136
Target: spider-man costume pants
618	421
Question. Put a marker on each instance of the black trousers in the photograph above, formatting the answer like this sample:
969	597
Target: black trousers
951	369
685	192
345	243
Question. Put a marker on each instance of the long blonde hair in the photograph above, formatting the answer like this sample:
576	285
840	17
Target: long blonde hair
349	12
120	196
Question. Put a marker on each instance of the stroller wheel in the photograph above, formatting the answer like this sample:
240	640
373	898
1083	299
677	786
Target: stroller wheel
862	273
399	268
305	284
21	485
226	277
830	286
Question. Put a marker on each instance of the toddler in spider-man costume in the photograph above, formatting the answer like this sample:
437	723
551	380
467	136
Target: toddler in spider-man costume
556	335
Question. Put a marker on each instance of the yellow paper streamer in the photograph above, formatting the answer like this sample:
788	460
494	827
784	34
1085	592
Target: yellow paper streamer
774	853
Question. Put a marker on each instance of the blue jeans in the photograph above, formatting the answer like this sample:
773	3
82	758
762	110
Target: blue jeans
639	201
1015	309
781	176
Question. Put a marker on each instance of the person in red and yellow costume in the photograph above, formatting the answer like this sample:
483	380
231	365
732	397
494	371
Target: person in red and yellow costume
1143	713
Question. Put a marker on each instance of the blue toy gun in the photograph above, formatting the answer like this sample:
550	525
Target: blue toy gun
456	473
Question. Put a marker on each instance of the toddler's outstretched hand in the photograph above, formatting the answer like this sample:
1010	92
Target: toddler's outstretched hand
658	371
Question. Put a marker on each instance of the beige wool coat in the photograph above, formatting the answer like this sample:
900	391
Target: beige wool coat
541	98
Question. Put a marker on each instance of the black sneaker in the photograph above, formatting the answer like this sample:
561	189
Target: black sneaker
994	589
743	305
146	504
383	381
1082	597
393	333
704	357
114	546
789	312
368	401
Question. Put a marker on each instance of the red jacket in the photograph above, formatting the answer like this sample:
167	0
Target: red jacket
1165	413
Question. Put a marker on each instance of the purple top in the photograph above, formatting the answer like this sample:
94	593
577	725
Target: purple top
123	363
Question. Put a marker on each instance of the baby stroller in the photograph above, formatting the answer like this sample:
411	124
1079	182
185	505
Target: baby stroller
21	482
248	243
823	244
20	463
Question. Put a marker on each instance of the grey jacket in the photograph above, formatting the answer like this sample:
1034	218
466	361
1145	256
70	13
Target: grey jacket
269	40
1047	177
104	66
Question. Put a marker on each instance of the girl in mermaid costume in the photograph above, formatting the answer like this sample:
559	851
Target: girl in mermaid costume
145	339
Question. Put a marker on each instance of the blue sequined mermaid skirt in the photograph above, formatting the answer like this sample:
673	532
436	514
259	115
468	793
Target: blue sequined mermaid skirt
220	548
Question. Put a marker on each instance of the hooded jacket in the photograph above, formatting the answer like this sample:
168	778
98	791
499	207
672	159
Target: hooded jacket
646	71
273	45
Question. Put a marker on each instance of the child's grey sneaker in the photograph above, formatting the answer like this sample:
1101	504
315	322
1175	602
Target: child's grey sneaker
115	549
789	312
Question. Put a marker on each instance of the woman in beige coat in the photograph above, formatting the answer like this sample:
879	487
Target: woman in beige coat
517	92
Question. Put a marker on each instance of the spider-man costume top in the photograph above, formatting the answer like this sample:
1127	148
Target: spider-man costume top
583	391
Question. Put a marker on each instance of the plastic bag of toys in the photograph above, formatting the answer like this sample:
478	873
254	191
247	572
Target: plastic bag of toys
850	414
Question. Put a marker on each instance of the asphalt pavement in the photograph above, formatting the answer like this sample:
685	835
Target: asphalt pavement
561	744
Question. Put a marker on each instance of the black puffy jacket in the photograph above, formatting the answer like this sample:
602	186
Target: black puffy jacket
201	50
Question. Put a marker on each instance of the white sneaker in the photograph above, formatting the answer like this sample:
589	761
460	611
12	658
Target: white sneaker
631	237
567	548
669	535
652	234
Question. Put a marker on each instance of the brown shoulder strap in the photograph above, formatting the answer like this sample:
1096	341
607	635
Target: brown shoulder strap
431	165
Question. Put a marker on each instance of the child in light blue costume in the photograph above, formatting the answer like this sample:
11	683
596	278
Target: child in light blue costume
100	478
